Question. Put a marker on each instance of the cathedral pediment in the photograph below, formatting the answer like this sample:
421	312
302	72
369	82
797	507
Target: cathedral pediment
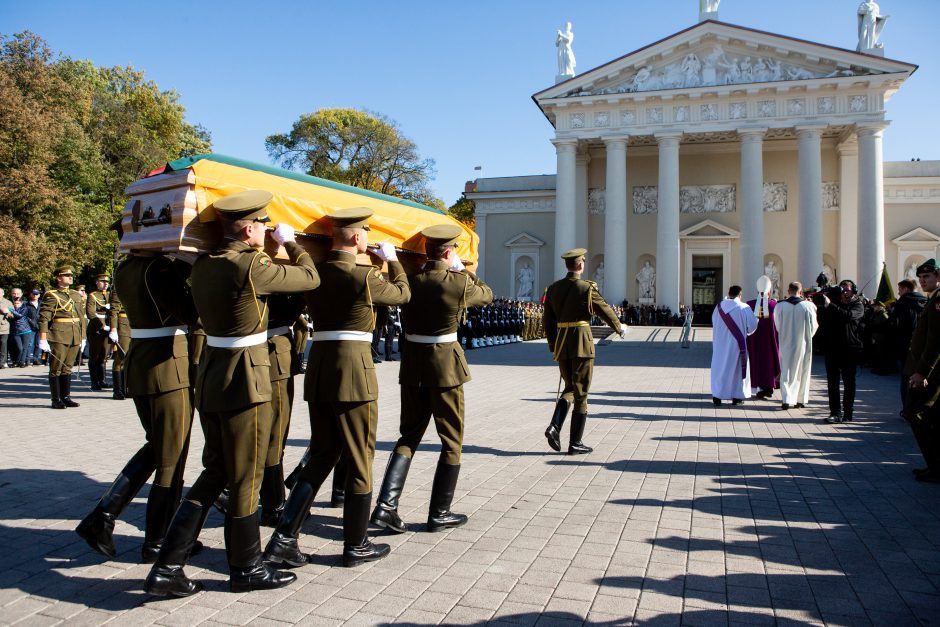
716	55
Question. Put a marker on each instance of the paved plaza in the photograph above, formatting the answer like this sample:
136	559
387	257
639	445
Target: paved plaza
684	514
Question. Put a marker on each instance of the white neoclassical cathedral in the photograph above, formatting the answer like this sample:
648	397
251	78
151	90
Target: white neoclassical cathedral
709	158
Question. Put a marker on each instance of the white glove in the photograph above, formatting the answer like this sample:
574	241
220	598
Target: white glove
106	328
623	331
283	233
386	252
113	336
457	264
107	306
81	348
44	346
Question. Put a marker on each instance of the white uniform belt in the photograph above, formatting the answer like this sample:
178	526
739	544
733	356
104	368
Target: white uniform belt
278	331
431	339
340	336
217	341
102	316
146	334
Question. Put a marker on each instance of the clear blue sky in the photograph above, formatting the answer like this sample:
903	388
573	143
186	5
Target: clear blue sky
456	76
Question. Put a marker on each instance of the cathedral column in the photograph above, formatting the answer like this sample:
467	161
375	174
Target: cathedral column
752	206
581	206
667	222
810	260
848	207
565	201
615	221
871	207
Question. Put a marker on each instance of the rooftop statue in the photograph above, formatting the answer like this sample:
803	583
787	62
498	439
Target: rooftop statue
870	24
566	60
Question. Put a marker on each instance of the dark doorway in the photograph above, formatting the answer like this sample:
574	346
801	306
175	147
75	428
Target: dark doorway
707	286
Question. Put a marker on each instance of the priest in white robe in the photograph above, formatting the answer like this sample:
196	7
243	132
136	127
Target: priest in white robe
795	319
732	322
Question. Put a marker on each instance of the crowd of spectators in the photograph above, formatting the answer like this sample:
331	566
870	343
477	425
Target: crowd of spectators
19	326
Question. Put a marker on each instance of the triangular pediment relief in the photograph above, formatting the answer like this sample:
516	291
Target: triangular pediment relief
524	240
709	229
917	236
714	54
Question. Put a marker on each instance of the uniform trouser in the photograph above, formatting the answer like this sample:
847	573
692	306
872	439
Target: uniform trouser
118	364
97	348
418	404
927	434
281	400
61	358
236	445
841	366
342	427
576	373
167	419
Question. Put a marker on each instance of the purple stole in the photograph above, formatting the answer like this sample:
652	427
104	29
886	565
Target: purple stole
739	338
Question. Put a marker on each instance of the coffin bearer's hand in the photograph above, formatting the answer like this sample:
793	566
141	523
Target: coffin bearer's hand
283	233
457	264
44	346
386	252
113	336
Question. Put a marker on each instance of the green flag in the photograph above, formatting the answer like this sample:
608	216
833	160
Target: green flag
885	289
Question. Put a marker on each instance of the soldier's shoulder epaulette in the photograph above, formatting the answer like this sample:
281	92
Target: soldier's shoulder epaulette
591	283
366	265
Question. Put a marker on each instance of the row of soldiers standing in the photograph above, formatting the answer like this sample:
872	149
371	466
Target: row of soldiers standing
504	321
243	387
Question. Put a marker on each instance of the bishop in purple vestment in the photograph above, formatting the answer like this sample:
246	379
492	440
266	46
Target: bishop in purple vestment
763	349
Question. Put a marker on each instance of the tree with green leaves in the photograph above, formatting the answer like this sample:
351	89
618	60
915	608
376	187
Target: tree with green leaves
358	148
463	210
73	136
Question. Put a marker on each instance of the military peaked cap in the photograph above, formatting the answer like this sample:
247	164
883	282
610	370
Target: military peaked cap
574	253
247	205
928	266
442	234
64	269
352	218
103	277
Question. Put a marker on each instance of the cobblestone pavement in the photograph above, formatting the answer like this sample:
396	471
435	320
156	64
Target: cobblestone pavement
684	514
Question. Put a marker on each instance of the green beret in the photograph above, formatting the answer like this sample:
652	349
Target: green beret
442	234
247	205
352	218
574	253
928	266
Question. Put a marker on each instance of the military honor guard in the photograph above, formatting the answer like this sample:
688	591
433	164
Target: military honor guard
433	371
341	388
156	302
570	304
119	336
62	334
233	393
97	305
923	398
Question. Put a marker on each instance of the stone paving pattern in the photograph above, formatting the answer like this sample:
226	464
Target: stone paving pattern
684	514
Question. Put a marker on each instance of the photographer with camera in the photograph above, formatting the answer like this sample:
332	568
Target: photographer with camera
840	313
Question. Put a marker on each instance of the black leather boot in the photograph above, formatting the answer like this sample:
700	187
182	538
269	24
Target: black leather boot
95	375
553	433
385	514
357	548
442	495
272	495
117	377
103	376
247	570
97	528
65	388
221	501
338	496
575	445
282	549
295	473
55	393
161	505
167	578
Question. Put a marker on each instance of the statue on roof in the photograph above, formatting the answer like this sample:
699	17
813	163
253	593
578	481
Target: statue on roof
707	10
870	24
566	60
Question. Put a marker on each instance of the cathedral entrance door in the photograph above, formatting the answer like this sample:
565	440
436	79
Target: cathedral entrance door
707	286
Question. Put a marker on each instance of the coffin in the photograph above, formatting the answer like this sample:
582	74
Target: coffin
171	209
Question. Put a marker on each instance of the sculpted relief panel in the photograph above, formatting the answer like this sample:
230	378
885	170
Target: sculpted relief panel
775	197
597	201
831	195
692	199
711	68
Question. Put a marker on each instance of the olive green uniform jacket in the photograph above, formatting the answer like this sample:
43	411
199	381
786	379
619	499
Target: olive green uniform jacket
117	319
230	287
574	300
924	354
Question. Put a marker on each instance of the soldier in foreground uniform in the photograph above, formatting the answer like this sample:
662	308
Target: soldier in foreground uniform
341	388
157	303
923	407
433	371
61	335
569	306
96	310
233	393
120	338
